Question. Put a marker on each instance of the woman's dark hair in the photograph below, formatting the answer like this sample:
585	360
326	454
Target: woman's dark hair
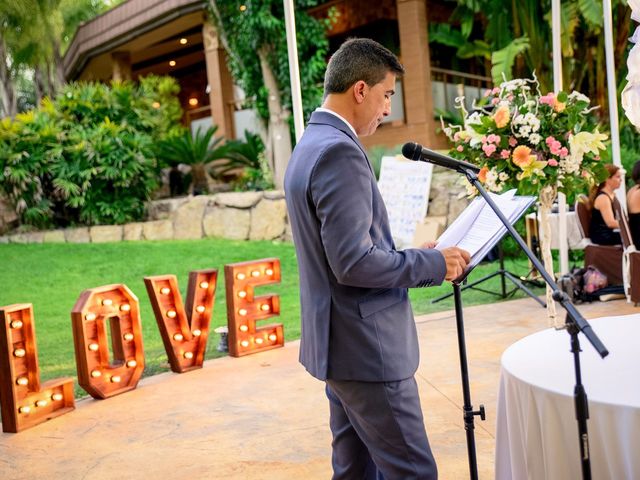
595	190
635	173
359	59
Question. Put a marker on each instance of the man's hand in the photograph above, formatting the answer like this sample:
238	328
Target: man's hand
456	259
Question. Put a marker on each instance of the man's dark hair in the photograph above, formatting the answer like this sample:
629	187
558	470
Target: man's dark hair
359	59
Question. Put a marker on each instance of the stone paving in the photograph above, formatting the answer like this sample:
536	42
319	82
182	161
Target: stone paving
263	417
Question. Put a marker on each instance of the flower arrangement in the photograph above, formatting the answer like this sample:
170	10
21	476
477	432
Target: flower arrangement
522	139
538	144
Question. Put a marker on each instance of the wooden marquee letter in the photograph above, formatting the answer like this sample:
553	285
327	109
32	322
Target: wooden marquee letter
23	400
184	332
244	310
97	374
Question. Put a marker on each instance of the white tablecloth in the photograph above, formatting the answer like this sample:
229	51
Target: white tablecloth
575	240
537	431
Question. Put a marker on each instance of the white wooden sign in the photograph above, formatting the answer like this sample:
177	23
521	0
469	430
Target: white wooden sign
404	185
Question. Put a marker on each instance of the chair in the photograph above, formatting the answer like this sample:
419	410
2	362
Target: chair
631	259
606	258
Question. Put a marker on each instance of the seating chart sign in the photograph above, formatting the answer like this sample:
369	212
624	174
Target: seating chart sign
404	185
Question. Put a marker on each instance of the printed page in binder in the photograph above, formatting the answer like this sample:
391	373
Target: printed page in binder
404	186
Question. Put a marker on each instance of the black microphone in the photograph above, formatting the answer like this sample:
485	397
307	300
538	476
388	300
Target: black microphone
415	151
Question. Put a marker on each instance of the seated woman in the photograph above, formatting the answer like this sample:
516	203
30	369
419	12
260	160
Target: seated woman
633	205
603	220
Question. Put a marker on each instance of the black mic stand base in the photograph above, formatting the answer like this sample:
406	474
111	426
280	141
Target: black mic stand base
468	412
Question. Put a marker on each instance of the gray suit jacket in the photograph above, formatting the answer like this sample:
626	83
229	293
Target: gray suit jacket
357	322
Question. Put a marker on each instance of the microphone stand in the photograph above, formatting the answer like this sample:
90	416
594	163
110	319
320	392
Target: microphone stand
574	324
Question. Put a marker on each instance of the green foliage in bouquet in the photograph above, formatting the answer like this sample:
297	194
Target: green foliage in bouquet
529	141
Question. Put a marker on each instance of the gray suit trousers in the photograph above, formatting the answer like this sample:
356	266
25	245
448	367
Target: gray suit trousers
378	426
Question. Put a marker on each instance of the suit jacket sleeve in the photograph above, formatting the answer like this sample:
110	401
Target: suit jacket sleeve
342	189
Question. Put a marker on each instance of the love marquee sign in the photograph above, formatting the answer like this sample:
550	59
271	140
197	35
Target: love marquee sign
25	401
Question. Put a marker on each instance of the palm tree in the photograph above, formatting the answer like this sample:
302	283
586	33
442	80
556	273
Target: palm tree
197	150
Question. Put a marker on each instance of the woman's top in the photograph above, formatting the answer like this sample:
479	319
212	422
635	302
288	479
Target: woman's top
634	226
599	232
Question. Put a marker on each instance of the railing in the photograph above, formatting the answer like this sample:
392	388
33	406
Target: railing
446	85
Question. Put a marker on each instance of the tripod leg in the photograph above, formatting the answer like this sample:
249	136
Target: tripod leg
522	287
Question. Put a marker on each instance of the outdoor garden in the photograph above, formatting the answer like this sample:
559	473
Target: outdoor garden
86	154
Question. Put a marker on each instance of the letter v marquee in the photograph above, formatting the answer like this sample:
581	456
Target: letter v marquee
184	332
24	401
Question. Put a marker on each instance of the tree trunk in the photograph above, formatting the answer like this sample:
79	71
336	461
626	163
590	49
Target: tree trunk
278	146
38	83
8	101
58	68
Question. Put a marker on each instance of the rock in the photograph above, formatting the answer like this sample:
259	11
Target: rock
232	223
157	230
268	220
187	219
77	235
238	199
54	236
132	231
106	233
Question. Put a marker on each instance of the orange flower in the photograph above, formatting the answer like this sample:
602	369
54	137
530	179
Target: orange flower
559	106
521	156
482	174
501	117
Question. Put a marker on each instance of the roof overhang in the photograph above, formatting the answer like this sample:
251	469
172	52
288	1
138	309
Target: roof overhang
133	25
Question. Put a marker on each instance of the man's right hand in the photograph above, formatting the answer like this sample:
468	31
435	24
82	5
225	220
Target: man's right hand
456	260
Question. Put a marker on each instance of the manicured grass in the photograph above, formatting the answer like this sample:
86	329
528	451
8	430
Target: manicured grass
52	276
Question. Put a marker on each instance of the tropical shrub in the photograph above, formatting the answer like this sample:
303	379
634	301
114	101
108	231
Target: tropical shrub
197	150
86	157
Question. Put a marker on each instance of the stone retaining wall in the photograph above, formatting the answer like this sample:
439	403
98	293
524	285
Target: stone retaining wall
232	215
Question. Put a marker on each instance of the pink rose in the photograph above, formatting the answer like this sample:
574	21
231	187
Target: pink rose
460	148
495	101
564	152
505	154
512	142
493	138
488	149
487	92
496	90
552	162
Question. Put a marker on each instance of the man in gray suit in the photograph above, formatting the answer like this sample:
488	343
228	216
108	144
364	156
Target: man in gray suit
358	330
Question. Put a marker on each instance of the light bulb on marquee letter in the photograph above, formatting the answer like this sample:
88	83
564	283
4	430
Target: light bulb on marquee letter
244	309
20	392
97	310
187	327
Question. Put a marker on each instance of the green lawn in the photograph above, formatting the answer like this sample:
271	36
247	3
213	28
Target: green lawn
52	276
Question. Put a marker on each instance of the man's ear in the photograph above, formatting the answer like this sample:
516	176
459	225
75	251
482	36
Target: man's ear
360	90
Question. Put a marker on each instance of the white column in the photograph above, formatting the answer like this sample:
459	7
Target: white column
556	31
294	71
612	96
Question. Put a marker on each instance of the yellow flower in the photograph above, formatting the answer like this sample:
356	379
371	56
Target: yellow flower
501	117
533	168
586	142
521	156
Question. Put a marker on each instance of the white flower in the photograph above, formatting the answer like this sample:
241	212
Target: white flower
631	102
503	176
578	97
633	63
535	139
636	36
635	9
473	119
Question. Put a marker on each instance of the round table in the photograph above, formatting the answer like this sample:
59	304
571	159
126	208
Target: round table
536	428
